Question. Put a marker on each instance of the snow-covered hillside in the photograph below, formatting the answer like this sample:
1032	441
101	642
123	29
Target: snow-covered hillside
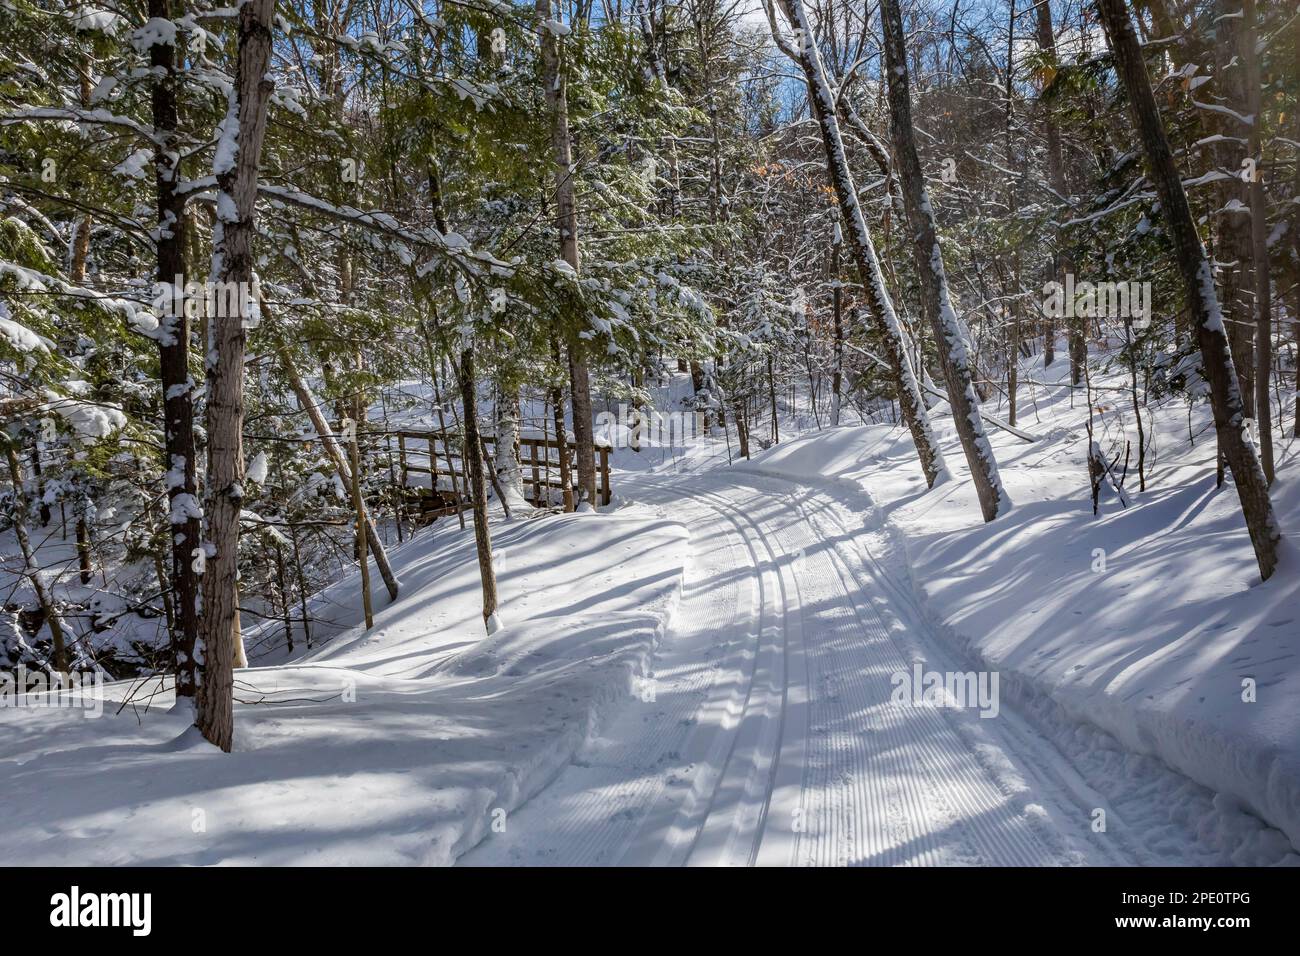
394	746
1147	622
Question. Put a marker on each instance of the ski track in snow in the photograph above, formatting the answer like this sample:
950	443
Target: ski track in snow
772	738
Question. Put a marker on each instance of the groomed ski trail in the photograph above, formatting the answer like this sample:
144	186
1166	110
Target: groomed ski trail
767	735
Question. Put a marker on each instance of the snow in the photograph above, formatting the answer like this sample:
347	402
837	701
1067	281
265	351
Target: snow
389	746
227	150
1151	652
136	166
92	18
156	32
680	677
88	419
256	471
20	337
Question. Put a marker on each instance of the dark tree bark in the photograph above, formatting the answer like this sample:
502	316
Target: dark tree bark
1233	252
174	371
1076	337
1259	243
473	458
1198	281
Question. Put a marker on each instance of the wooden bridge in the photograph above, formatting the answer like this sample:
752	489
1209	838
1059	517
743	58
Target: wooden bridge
434	476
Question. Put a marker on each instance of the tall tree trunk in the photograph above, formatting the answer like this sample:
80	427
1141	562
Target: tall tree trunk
1259	243
822	101
173	353
1233	251
473	458
30	565
837	311
555	86
233	263
1198	281
1295	240
950	335
1076	339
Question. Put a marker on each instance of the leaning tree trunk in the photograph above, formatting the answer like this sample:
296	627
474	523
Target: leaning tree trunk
174	371
30	565
473	459
1198	280
309	403
233	263
555	87
822	101
949	334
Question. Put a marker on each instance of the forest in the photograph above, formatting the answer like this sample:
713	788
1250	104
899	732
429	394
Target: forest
466	405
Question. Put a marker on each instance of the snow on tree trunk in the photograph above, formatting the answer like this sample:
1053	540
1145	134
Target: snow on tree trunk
822	101
31	567
555	87
936	301
173	338
1198	280
235	164
1232	224
505	453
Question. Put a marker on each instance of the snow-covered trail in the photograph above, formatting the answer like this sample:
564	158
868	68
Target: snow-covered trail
768	736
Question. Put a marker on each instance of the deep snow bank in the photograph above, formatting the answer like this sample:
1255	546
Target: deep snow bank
401	745
1145	621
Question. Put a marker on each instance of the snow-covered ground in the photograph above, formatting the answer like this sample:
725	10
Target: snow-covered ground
397	746
1140	633
709	674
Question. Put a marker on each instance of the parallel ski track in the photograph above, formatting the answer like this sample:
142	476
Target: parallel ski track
773	740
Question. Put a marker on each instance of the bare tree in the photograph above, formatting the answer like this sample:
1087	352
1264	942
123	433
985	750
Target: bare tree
821	99
950	335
